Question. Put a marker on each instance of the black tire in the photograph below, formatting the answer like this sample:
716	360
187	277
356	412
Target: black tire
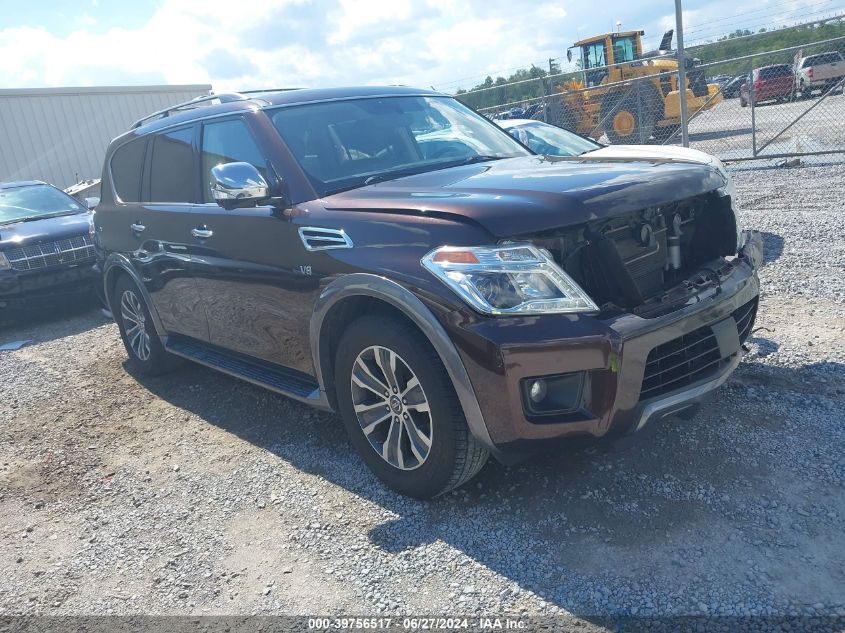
454	455
640	106
156	361
666	132
561	115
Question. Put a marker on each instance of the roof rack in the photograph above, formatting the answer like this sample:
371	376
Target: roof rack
225	97
190	105
252	92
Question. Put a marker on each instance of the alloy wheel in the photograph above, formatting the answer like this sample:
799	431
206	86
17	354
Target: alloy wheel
134	324
391	408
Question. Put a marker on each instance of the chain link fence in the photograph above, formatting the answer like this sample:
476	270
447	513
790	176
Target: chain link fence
774	104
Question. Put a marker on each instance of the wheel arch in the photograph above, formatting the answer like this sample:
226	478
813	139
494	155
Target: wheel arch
114	267
361	293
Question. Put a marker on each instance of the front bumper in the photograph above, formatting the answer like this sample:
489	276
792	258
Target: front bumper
25	289
613	354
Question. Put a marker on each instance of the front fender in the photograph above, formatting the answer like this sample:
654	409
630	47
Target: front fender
377	287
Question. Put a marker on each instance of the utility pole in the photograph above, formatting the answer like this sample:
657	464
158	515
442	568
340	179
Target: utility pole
682	73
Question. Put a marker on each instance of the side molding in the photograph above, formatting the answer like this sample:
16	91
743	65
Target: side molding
363	284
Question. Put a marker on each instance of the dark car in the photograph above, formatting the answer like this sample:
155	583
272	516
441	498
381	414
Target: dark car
720	80
391	255
769	83
46	250
732	88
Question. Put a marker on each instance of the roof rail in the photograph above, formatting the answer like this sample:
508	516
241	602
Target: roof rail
258	91
189	105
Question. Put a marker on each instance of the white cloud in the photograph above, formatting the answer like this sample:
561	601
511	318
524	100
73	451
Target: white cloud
254	43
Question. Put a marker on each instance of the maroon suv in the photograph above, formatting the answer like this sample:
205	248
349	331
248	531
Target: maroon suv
769	83
389	254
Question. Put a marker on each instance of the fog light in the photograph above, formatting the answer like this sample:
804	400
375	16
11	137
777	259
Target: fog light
547	395
538	391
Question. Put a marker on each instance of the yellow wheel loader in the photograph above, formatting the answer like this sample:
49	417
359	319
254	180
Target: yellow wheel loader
625	93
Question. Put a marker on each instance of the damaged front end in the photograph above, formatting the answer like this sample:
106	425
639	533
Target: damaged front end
652	261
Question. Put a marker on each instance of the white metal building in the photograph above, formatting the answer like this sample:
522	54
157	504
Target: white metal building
60	135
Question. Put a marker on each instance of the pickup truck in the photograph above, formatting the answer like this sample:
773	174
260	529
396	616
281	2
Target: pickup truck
819	72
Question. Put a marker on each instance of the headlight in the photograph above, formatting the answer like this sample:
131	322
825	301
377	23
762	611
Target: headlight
511	279
4	262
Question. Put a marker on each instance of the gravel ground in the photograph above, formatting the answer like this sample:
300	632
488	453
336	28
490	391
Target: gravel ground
195	493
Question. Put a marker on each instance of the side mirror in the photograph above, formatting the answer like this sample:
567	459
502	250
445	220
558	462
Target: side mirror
235	185
569	55
92	202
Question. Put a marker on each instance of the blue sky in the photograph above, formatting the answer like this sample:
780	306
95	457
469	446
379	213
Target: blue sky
258	43
62	18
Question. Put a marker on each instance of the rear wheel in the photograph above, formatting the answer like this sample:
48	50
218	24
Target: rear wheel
561	115
400	409
147	355
666	132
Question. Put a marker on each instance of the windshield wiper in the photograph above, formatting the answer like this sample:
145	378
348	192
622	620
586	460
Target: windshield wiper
481	158
45	216
391	175
399	173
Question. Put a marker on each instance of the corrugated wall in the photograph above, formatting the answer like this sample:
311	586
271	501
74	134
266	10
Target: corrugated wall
60	135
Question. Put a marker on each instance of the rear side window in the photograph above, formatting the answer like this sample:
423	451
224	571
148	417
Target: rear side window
775	71
228	142
822	58
127	165
172	167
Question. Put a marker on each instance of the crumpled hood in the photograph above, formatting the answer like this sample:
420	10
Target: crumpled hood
48	229
534	193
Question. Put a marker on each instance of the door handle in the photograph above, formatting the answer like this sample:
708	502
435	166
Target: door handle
137	228
202	233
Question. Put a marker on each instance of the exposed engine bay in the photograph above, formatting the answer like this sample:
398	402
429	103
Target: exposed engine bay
647	261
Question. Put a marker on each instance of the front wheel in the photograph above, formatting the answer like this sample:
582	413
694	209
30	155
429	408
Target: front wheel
401	411
630	118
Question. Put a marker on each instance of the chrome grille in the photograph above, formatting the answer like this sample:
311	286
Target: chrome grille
47	254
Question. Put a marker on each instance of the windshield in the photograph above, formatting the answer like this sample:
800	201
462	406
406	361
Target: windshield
624	49
346	144
772	72
33	201
542	138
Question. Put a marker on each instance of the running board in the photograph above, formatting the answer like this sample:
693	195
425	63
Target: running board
282	380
